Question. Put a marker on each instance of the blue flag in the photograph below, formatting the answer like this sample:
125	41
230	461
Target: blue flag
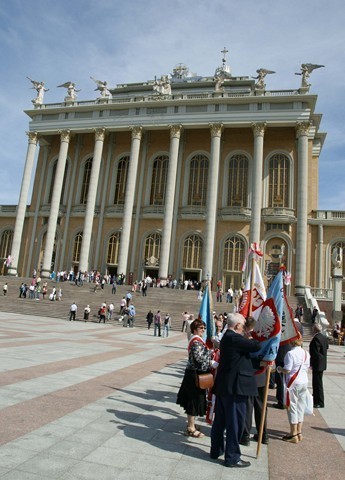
267	329
205	314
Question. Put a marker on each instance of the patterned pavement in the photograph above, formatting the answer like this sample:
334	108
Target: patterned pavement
94	401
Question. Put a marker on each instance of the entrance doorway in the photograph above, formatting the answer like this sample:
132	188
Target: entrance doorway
232	279
151	272
193	275
112	270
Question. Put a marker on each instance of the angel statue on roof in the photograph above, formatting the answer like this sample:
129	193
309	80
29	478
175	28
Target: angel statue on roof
71	91
306	69
261	74
102	87
40	89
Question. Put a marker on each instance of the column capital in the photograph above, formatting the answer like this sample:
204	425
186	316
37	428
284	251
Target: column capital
100	134
302	129
216	129
259	129
65	135
32	137
137	133
175	131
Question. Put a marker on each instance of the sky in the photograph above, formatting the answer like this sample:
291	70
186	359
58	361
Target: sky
124	41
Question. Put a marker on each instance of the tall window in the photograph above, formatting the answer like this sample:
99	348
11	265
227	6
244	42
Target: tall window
238	181
6	243
152	249
159	180
113	249
77	246
234	249
121	181
192	252
53	181
86	181
279	172
198	180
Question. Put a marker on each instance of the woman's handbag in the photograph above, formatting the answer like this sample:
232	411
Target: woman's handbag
204	380
309	404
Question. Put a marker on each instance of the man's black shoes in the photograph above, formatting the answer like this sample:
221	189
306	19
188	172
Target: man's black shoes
318	405
239	464
245	441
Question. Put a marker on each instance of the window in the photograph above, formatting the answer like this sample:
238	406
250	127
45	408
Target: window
238	181
86	181
6	243
234	250
152	249
159	180
77	246
192	252
113	249
53	181
198	180
279	173
121	181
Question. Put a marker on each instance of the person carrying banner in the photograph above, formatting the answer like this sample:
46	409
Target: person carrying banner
234	383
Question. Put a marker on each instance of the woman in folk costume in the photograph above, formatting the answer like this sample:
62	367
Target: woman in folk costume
200	360
296	365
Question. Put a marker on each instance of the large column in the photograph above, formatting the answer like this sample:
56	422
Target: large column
91	200
23	198
320	256
302	130
211	201
129	200
65	137
175	134
256	204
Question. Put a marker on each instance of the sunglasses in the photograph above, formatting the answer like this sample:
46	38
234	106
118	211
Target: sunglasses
201	328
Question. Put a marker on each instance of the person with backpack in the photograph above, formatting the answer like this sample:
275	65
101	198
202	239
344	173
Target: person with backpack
167	325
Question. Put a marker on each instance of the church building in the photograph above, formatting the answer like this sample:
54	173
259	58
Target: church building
175	178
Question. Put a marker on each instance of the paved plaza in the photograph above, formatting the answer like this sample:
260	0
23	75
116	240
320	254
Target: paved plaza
89	401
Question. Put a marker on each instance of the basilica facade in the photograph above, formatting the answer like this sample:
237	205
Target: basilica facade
174	178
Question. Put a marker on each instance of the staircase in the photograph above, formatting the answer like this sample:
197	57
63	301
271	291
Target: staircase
173	301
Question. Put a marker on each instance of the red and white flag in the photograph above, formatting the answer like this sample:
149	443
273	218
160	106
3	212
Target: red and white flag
258	296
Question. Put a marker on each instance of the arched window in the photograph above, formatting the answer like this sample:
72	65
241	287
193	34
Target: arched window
238	181
53	181
113	249
152	249
234	249
198	180
6	244
77	246
121	181
192	252
159	180
279	173
86	181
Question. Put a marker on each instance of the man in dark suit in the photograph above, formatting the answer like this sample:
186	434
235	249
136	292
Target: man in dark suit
234	383
318	361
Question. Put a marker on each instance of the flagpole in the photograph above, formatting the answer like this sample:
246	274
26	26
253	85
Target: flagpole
251	286
264	406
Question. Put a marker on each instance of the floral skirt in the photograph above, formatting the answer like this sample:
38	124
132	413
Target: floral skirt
190	397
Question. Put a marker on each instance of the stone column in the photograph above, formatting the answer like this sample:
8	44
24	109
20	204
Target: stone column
302	130
211	201
320	256
23	198
65	137
129	200
91	200
175	134
256	204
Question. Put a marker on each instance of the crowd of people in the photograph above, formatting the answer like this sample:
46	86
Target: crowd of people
240	383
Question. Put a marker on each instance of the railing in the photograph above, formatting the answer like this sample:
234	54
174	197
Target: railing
311	303
322	293
278	212
329	214
174	96
153	209
193	210
236	211
8	208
